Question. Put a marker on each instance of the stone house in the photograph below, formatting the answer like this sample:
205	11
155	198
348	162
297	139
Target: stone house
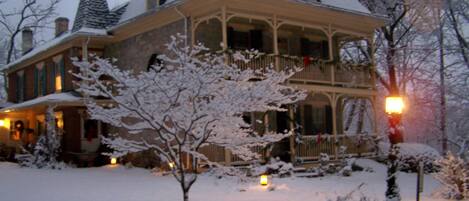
312	34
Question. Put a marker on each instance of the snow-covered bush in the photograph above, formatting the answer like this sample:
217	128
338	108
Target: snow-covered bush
454	175
410	154
354	195
274	167
47	148
190	100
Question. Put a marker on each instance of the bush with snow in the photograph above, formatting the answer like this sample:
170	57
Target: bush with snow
454	175
274	167
410	154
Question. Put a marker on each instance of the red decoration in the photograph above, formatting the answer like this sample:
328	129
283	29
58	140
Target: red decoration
306	61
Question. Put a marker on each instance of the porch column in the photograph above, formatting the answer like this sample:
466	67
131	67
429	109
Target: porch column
224	28
193	28
275	42
371	50
334	123
375	115
293	136
84	50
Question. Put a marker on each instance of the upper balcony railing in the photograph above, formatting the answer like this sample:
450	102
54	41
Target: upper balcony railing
314	71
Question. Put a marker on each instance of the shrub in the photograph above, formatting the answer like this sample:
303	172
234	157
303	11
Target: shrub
454	175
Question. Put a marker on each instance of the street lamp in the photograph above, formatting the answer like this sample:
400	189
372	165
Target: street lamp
394	108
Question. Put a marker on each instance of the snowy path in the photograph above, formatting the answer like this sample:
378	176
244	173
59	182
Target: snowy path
120	184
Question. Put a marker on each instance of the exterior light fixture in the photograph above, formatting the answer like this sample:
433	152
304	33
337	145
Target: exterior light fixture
394	105
2	123
113	161
171	165
264	180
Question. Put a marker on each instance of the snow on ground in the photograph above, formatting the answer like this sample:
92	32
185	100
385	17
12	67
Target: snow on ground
120	184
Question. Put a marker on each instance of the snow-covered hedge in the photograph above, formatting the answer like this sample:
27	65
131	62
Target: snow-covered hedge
410	154
274	167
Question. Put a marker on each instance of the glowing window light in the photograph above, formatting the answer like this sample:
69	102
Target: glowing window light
394	105
58	83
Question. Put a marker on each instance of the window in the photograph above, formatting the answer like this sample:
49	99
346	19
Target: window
40	86
154	60
57	74
315	49
316	119
20	86
240	40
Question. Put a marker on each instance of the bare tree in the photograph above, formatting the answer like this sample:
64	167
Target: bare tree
31	14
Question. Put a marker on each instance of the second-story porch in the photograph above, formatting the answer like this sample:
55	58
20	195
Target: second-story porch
328	54
337	71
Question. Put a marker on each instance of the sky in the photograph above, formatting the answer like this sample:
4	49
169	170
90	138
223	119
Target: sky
66	8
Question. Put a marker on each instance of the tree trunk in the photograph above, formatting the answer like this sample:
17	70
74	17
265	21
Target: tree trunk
185	193
350	115
361	116
444	143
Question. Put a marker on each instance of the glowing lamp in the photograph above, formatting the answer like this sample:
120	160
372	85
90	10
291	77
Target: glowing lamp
113	161
6	123
171	165
264	181
58	83
394	105
2	123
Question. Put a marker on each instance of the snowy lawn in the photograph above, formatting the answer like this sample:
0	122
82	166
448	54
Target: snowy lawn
120	184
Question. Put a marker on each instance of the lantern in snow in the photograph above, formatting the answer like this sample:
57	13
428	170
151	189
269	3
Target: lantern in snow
113	161
264	181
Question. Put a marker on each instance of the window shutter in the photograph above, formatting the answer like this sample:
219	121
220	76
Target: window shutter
308	120
256	40
44	80
23	86
62	73
325	49
230	37
305	47
328	119
299	124
17	80
36	82
52	77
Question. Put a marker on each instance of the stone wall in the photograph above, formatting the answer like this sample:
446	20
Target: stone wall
135	52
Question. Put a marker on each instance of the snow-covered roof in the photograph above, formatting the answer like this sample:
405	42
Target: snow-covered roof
58	99
56	41
94	18
136	8
345	5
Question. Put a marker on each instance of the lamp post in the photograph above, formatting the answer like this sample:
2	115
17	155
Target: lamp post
394	108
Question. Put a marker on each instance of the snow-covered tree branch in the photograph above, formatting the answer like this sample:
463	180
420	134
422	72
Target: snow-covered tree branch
191	100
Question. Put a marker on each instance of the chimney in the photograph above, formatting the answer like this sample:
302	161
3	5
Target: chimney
61	26
27	37
151	4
